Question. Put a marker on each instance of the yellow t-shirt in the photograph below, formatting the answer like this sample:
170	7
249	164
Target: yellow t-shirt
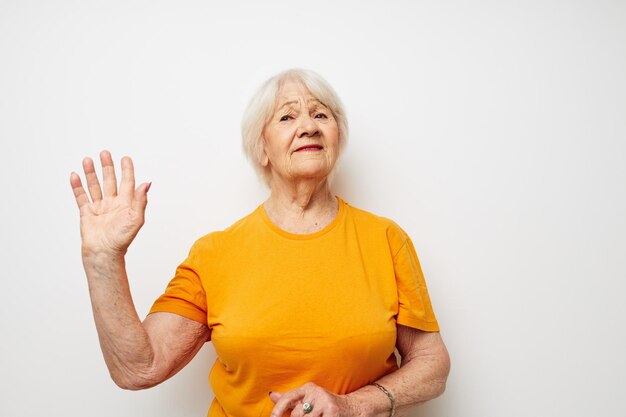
286	309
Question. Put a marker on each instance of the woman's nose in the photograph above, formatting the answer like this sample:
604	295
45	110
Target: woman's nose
307	126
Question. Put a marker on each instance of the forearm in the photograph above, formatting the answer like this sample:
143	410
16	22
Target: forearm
125	344
419	379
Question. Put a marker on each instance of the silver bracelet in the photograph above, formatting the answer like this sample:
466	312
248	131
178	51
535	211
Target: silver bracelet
388	394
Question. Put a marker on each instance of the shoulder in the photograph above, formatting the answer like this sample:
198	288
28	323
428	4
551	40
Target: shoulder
395	235
214	240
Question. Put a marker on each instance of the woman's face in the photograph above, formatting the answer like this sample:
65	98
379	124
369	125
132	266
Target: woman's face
301	138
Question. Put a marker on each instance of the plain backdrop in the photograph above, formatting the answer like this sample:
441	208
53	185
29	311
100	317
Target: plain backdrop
493	132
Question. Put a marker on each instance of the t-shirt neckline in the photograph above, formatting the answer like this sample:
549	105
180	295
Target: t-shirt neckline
306	236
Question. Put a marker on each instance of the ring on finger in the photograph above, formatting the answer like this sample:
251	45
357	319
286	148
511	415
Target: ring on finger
307	408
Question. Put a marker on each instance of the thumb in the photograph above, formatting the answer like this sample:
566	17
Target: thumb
275	396
141	196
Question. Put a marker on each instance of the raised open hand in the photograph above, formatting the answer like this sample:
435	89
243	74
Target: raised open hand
111	220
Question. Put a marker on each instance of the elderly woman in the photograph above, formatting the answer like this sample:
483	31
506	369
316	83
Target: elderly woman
305	299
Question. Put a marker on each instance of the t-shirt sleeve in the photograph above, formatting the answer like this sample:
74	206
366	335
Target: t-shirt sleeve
414	307
185	294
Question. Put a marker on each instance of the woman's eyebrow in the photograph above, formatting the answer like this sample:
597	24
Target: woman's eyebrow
311	100
287	103
314	100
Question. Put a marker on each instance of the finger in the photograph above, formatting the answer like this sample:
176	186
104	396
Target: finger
298	410
317	409
92	180
288	401
140	200
108	174
127	186
275	396
79	190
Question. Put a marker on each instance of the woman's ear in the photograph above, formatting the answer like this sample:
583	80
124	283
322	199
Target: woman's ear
265	160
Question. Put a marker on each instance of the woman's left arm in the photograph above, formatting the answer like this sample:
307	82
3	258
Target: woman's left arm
424	369
422	376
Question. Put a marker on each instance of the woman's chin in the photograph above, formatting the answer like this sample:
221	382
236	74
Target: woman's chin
320	173
310	170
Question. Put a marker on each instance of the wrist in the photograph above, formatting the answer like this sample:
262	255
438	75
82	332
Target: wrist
96	254
369	401
102	261
388	394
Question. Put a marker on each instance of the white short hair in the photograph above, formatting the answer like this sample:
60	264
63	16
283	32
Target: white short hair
262	105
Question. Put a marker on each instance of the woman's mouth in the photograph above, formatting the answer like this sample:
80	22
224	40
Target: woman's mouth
309	148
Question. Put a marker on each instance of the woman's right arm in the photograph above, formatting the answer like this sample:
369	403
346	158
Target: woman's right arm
138	355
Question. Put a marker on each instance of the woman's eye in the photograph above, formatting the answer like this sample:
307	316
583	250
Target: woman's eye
320	114
285	118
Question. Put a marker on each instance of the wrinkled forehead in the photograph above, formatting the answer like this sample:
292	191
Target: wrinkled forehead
292	85
294	92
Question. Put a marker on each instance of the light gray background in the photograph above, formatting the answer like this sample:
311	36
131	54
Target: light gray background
492	131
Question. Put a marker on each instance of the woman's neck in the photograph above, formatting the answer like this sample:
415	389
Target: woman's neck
303	207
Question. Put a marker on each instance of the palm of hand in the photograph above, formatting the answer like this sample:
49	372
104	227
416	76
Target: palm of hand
110	221
111	224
